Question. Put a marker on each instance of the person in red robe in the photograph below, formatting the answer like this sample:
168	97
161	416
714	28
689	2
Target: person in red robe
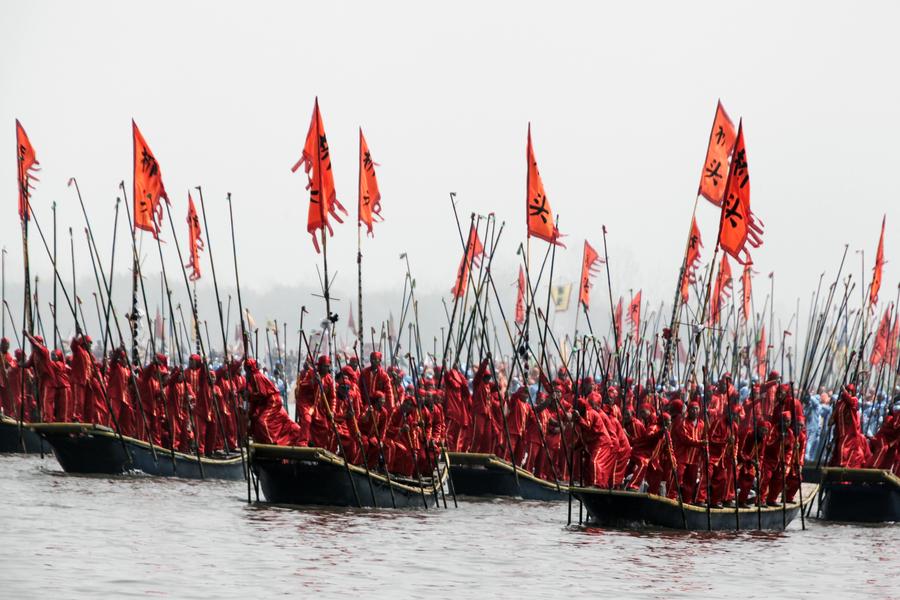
885	443
375	378
516	417
750	456
688	439
372	425
53	382
457	401
120	392
180	428
850	447
660	465
777	457
7	362
153	399
269	422
401	432
484	398
80	379
318	388
599	445
622	448
723	433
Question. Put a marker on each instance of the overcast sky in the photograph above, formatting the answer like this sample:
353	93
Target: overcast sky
620	96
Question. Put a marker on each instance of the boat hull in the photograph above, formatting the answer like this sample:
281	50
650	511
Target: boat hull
486	475
28	442
94	449
316	477
860	495
634	510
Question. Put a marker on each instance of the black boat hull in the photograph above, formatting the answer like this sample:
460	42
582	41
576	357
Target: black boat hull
12	441
635	510
94	449
317	477
860	495
486	475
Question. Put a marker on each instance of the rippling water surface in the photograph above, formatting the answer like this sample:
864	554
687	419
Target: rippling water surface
64	536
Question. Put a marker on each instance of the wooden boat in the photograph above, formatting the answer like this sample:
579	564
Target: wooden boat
89	448
861	495
12	440
487	475
637	510
315	476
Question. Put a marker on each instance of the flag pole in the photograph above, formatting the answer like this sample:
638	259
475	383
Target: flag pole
359	247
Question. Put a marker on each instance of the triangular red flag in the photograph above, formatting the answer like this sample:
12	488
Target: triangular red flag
369	208
148	185
877	269
738	226
323	200
538	214
715	167
26	165
590	261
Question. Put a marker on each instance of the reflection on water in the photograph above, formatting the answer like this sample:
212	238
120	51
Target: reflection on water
114	537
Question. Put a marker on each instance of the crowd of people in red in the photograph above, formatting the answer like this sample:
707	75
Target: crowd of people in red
190	409
692	444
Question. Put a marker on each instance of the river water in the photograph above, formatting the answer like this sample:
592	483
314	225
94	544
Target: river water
68	536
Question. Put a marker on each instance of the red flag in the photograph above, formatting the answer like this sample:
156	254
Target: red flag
589	264
692	259
746	291
538	214
876	270
322	197
762	348
520	298
880	347
148	186
723	281
715	168
474	250
369	196
26	165
738	225
195	242
617	323
634	315
893	340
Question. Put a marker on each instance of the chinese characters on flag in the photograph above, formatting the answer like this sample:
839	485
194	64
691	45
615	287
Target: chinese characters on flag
589	264
148	186
738	226
369	196
539	215
691	260
195	242
876	270
322	197
26	162
474	250
715	168
634	315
